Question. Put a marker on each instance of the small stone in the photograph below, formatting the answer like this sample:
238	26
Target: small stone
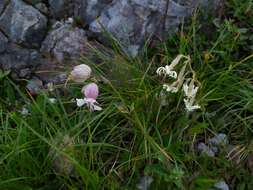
24	111
218	140
145	183
221	185
52	100
34	86
204	149
25	73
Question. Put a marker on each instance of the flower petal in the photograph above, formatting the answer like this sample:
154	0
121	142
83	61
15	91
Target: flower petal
80	73
91	91
80	102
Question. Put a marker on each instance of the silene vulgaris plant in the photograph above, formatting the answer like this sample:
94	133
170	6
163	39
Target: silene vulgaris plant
80	74
181	76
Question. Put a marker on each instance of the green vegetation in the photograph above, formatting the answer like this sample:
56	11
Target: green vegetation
60	146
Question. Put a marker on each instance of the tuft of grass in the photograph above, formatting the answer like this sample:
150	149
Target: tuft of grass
135	135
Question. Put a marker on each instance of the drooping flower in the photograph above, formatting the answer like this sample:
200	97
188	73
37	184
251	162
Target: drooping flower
176	85
167	70
80	73
91	93
189	105
170	88
190	91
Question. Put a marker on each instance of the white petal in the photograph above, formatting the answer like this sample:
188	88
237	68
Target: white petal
80	102
173	74
186	89
171	89
160	71
194	91
96	108
52	100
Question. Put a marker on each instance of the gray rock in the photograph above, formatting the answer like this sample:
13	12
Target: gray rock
3	42
218	140
23	24
64	42
33	2
221	185
20	60
145	183
3	4
204	149
34	86
133	21
62	8
52	73
42	8
89	10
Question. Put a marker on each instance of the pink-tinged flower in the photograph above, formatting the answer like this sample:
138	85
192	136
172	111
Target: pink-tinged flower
80	73
90	92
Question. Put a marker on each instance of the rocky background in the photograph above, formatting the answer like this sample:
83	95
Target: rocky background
39	37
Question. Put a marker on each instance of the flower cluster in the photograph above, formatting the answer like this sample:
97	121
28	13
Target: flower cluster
190	88
90	91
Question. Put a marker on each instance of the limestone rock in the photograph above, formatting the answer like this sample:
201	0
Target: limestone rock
3	42
131	22
3	4
89	10
23	24
64	42
62	8
20	60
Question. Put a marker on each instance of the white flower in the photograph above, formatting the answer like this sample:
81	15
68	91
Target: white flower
189	105
91	104
80	73
190	90
170	88
167	70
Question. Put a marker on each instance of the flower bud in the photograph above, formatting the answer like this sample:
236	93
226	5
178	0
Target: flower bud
80	73
90	91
